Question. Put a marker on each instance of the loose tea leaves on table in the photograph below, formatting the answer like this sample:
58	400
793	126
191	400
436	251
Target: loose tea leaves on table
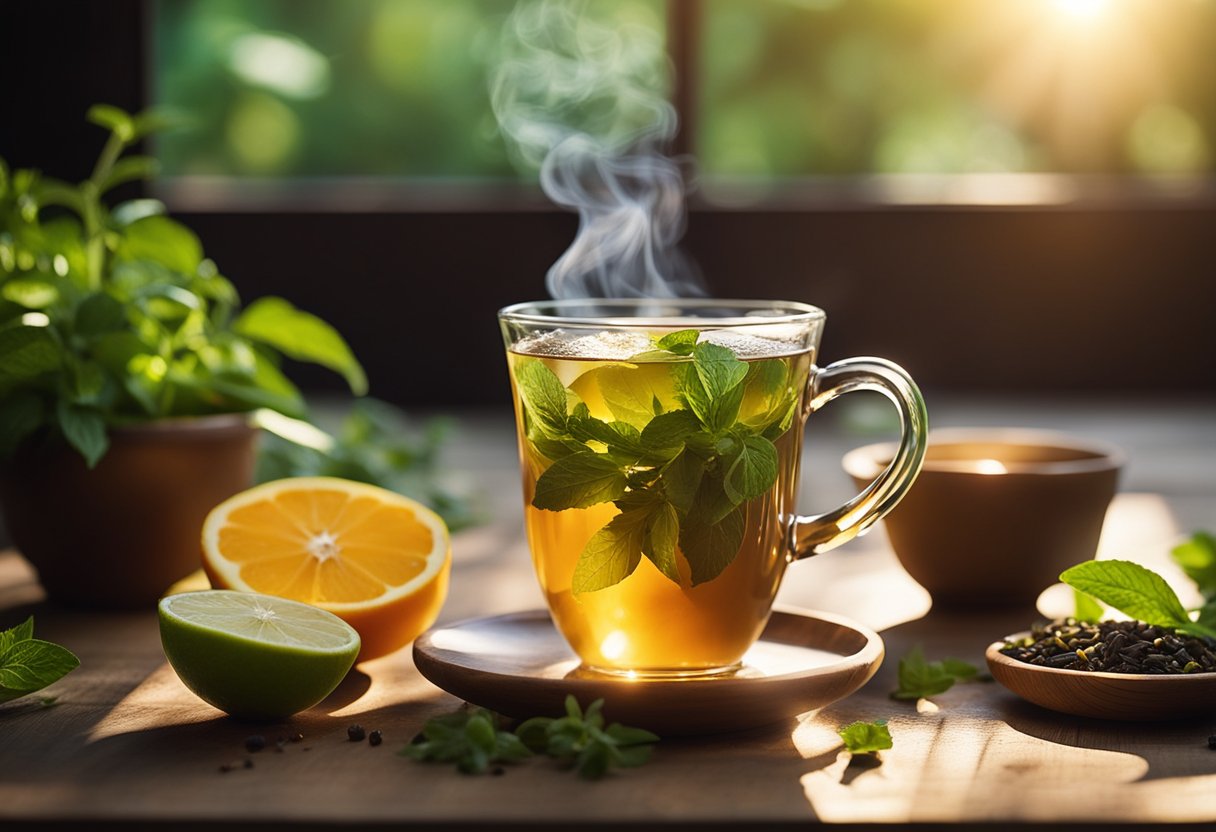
1113	647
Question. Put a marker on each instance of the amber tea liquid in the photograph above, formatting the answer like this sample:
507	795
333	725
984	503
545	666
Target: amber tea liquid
647	623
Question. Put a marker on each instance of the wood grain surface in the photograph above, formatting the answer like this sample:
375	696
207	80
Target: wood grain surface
126	744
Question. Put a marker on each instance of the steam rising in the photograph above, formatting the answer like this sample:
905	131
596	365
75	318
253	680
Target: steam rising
583	99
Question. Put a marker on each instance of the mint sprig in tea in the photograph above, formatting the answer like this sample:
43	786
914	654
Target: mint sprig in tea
657	471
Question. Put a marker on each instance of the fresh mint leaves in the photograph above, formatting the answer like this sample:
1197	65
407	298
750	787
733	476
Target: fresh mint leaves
1197	557
473	740
919	679
113	314
866	737
581	741
1136	591
470	738
28	664
676	459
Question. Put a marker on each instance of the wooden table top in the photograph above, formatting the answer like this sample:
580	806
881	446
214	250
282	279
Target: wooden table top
126	744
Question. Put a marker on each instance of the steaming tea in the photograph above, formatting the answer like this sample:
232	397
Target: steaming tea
659	474
660	443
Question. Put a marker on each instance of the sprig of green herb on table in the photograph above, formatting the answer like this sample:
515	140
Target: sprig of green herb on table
473	739
581	741
1135	591
866	737
920	679
28	664
682	479
469	738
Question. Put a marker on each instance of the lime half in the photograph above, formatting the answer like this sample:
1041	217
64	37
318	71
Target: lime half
255	656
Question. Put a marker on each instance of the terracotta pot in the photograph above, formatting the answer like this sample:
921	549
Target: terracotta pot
117	536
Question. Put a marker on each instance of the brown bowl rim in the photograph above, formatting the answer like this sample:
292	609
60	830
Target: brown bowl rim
867	461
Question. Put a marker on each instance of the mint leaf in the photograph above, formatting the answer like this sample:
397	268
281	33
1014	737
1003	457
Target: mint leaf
577	481
1197	557
679	343
612	553
85	430
98	314
26	352
712	387
300	335
710	547
629	393
543	395
1129	588
1086	608
581	741
752	471
920	679
662	535
866	737
158	239
20	415
22	632
668	431
682	479
28	664
471	739
718	368
619	436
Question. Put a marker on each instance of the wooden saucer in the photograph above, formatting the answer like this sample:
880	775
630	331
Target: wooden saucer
518	665
1122	696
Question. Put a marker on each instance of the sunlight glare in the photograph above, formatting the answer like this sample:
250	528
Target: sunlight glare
1083	10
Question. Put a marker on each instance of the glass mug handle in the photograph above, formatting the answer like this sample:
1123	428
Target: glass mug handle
810	535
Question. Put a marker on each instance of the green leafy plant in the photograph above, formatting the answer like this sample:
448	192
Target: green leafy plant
469	738
28	664
375	443
1197	557
682	478
474	739
866	737
581	741
920	679
1135	591
110	315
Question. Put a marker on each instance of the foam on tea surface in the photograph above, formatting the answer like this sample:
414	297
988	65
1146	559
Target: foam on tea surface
621	346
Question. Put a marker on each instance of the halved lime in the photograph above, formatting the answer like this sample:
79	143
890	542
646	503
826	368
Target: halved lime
255	656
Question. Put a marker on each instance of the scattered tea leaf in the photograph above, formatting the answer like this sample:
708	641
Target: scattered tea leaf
471	739
28	664
919	678
581	741
866	737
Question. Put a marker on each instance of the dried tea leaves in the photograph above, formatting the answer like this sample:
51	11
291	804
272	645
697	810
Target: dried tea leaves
1113	647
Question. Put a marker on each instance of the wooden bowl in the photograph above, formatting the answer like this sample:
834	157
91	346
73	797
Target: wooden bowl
1122	696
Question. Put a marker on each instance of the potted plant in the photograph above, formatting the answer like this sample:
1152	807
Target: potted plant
128	369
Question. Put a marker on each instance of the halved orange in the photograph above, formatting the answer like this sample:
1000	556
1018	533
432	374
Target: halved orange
376	559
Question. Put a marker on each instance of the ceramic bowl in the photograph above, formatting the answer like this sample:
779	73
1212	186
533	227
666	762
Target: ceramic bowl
996	514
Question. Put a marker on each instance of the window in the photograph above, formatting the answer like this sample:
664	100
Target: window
916	100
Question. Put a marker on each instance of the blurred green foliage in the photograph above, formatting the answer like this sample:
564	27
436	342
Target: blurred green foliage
784	87
791	87
376	443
